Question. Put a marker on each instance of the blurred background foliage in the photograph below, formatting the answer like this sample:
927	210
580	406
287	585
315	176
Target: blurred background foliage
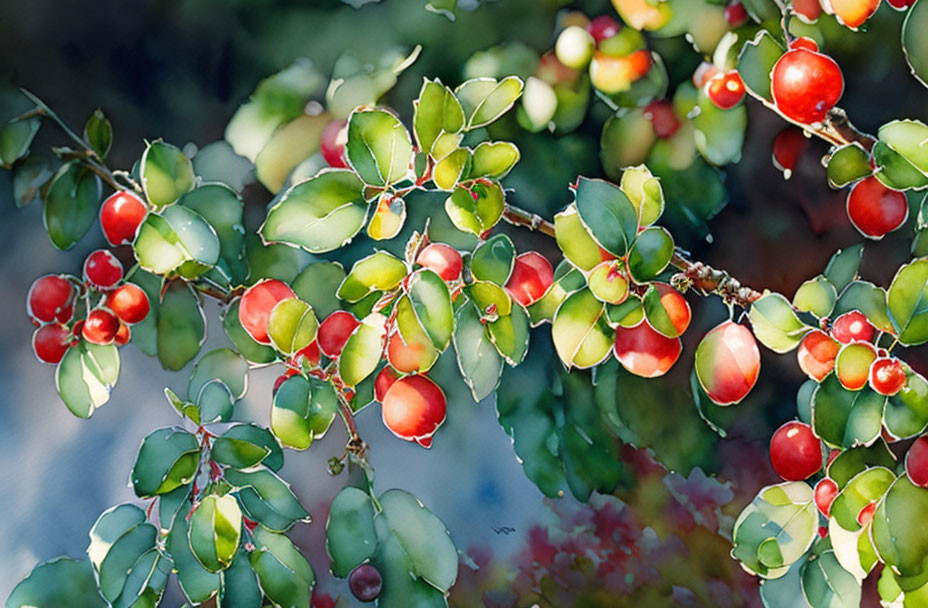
179	69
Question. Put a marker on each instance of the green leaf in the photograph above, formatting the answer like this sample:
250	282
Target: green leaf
719	133
215	528
317	284
223	364
380	271
913	42
362	351
510	334
350	537
388	218
145	332
756	61
827	585
120	536
243	446
58	582
494	159
437	111
607	214
181	326
907	300
99	132
645	193
844	418
480	363
240	587
906	138
817	296
177	240
321	214
217	162
783	515
431	302
223	210
866	487
29	176
378	147
852	461
574	240
490	299
288	147
302	410
286	577
775	324
16	137
167	459
493	260
478	209
848	164
451	168
581	337
896	171
280	261
566	280
197	583
401	587
654	311
906	413
86	376
899	537
868	299
267	498
484	99
166	173
244	343
786	591
292	326
650	253
71	205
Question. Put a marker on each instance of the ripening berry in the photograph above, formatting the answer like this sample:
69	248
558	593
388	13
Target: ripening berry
603	27
100	327
704	73
663	118
676	306
853	13
804	42
852	365
887	376
726	90
102	269
332	143
383	382
409	357
611	74
727	363
876	210
254	311
852	326
530	279
365	582
816	354
644	351
334	332
735	14
50	342
916	462
788	146
795	451
808	10
443	260
123	335
413	408
825	492
574	47
806	85
51	298
129	302
120	217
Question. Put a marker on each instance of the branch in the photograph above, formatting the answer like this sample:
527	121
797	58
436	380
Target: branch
526	219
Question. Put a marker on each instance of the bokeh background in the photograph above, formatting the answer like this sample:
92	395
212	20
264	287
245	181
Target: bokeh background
178	69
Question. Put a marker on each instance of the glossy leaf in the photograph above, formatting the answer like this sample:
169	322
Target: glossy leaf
362	351
908	302
214	531
292	326
71	205
243	446
844	418
493	260
286	577
181	326
817	296
86	375
581	336
59	582
350	537
317	284
380	271
484	99
480	363
574	240
167	459
775	324
608	214
266	498
913	42
378	147
431	301
848	164
650	253
166	173
756	61
476	210
15	138
437	111
302	410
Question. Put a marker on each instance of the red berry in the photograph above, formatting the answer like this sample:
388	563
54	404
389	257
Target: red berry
257	302
900	5
663	119
866	514
676	306
816	354
795	451
123	335
120	217
788	146
644	351
413	408
809	10
852	327
806	85
442	259
100	327
50	342
735	14
825	492
365	582
876	210
704	73
804	42
50	298
384	381
916	462
531	277
102	269
129	302
726	90
334	331
409	357
310	353
332	144
603	27
887	376
728	363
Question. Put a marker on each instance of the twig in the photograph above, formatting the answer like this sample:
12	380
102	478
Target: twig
526	219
